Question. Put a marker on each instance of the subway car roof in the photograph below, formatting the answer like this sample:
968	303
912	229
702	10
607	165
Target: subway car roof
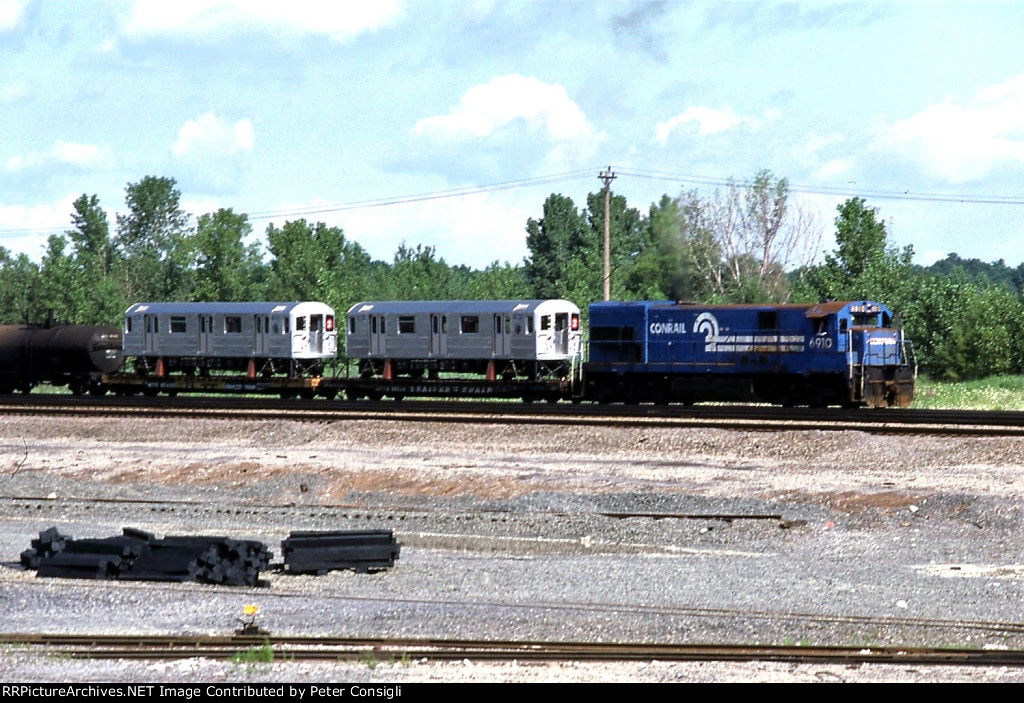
413	307
228	308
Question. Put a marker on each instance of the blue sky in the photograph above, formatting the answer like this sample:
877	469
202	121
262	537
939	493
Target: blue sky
347	112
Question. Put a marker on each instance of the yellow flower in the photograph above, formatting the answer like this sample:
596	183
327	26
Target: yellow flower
251	609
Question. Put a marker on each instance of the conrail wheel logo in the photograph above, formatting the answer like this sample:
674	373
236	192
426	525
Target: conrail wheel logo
706	324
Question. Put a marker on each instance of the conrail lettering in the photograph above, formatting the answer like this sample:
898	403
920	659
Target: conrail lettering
668	328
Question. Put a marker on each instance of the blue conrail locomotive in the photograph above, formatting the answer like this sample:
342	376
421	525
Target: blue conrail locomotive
834	353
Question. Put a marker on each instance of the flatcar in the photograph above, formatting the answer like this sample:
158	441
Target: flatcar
496	338
835	353
76	356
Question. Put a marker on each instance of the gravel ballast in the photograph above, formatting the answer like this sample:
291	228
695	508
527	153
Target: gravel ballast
508	532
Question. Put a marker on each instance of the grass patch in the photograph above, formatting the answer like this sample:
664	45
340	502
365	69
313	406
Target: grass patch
993	393
254	657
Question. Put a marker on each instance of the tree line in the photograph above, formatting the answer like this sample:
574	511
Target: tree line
745	243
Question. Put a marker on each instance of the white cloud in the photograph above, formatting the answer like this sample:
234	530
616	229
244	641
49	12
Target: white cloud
486	108
484	227
212	135
85	156
337	20
13	92
833	169
965	142
10	13
711	121
37	222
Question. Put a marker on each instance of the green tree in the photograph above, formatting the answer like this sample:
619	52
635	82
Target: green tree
863	265
226	268
153	241
98	295
553	240
19	290
496	282
417	274
58	292
317	262
684	259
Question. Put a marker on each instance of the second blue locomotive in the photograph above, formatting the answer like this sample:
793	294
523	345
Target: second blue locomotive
835	353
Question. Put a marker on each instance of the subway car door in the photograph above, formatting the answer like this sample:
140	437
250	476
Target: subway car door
562	333
378	332
260	331
439	335
502	336
151	342
206	335
316	334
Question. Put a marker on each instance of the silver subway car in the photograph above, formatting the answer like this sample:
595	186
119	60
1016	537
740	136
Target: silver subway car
497	338
263	339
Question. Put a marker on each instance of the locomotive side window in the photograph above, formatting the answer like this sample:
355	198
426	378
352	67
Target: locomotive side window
768	320
406	324
300	323
529	324
611	334
545	322
128	325
469	324
232	324
178	324
351	325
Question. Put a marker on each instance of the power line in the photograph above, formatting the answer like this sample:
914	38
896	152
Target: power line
851	190
684	180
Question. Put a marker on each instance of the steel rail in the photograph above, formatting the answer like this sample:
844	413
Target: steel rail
741	417
291	648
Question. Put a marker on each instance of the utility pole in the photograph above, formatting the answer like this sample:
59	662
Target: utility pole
607	177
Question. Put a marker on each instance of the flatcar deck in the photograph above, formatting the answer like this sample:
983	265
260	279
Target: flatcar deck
134	384
376	388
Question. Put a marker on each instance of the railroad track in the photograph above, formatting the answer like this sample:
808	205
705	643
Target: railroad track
379	649
741	417
1006	631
